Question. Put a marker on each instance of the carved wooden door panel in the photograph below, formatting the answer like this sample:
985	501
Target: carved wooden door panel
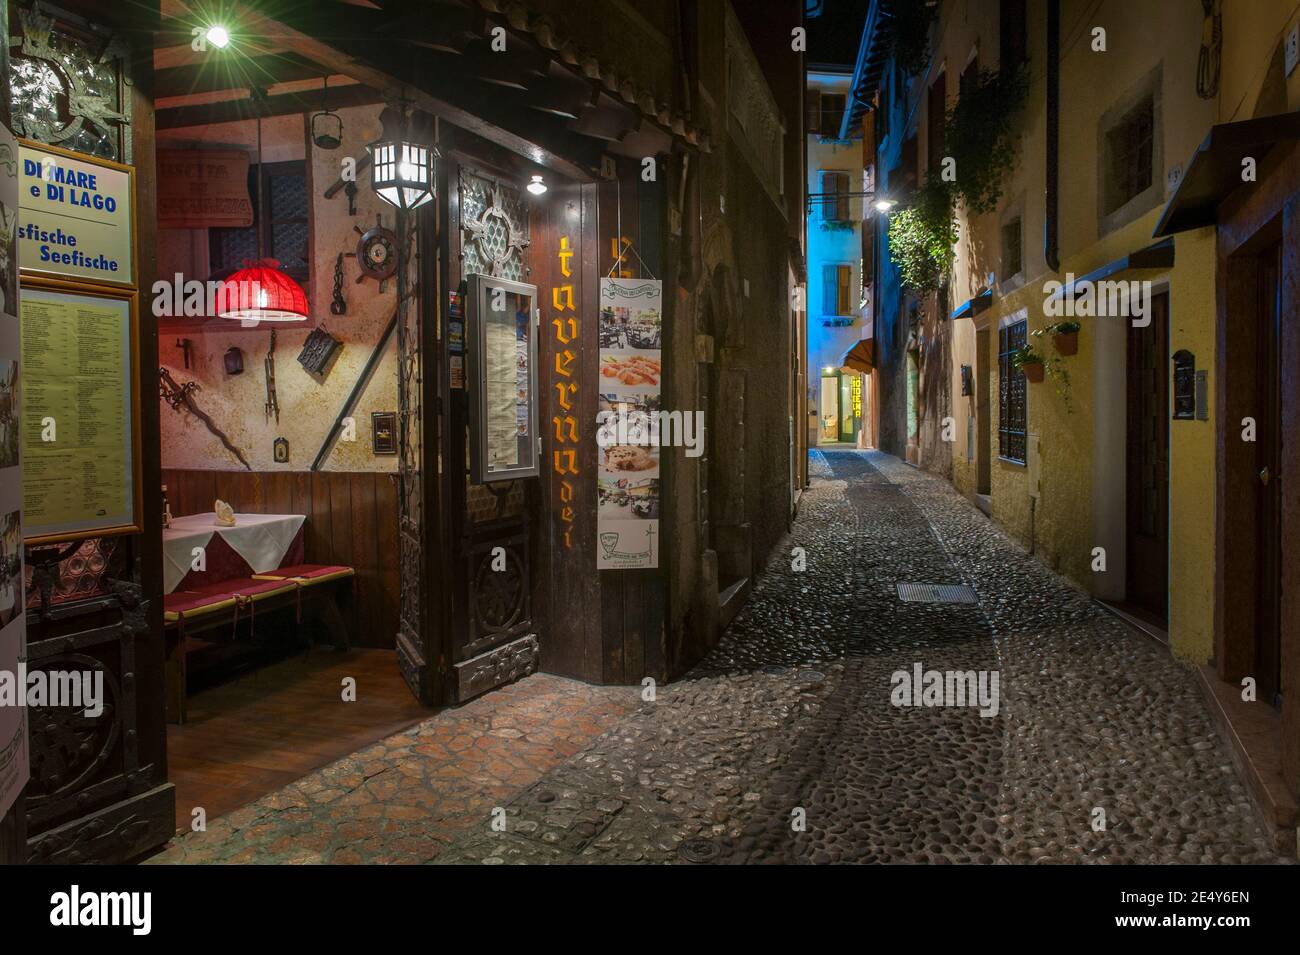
493	637
418	620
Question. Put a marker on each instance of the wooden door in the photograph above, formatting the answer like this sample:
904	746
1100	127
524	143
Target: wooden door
1268	500
1148	462
491	527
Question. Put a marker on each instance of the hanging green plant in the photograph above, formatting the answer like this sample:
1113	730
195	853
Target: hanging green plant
1065	336
922	236
909	33
979	135
1060	376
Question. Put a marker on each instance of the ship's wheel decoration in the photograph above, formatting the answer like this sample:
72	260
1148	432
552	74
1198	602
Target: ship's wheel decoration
376	252
494	235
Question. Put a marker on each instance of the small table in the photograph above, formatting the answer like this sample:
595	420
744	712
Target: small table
255	544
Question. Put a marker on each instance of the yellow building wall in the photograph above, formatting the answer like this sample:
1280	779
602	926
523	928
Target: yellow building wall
1192	459
1061	526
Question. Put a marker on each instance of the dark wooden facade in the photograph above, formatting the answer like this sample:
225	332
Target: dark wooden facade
420	539
1259	250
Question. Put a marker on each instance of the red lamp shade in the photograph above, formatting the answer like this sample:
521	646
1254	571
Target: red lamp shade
262	292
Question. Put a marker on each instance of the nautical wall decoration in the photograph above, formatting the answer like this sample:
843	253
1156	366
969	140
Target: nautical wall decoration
317	350
268	366
340	304
179	396
376	253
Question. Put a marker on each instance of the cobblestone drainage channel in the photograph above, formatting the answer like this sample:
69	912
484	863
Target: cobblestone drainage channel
936	594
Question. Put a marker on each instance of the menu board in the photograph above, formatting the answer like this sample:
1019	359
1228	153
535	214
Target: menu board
77	216
14	770
503	414
628	423
77	422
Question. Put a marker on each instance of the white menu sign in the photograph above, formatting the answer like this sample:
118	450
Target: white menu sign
627	423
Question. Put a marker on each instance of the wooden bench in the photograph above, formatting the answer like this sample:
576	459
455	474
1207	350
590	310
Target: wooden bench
311	590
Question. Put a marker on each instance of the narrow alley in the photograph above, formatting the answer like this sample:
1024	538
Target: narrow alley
785	745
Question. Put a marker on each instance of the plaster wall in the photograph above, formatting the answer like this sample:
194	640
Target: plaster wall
308	404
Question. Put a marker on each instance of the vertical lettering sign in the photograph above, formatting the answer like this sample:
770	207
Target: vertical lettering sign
564	458
13	647
629	420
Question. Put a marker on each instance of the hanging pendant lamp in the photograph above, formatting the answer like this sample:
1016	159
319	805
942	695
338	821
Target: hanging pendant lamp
262	292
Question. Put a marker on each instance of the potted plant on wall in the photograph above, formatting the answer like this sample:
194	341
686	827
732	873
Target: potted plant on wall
1065	336
1026	360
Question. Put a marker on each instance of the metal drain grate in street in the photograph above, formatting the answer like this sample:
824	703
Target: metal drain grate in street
937	593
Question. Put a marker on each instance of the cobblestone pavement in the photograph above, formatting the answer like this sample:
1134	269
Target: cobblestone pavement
790	719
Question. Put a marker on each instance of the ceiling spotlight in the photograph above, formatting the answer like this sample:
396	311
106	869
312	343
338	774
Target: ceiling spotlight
217	35
884	205
536	186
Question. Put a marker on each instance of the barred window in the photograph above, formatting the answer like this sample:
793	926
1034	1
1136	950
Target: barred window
1012	407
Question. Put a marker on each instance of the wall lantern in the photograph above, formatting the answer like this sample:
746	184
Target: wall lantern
536	186
884	205
402	162
326	126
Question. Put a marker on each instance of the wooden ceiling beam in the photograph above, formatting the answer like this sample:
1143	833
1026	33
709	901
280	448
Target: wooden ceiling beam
414	78
282	104
235	73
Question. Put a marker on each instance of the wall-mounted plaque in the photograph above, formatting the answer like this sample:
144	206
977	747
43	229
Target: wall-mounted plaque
280	450
80	412
76	216
383	431
502	342
203	189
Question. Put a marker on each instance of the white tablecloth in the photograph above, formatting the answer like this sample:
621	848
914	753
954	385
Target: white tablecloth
261	539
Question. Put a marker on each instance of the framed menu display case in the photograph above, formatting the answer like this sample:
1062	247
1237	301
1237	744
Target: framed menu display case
80	411
502	339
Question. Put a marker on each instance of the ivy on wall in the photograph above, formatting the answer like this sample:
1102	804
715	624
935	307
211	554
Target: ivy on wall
980	149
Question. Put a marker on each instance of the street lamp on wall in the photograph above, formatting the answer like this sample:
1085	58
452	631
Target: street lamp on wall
402	162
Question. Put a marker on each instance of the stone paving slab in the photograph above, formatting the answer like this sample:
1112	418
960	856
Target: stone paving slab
404	799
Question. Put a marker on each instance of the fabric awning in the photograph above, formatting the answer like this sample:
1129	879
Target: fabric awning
973	306
1215	170
861	356
1158	255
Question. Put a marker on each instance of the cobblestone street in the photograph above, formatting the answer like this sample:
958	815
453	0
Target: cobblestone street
790	720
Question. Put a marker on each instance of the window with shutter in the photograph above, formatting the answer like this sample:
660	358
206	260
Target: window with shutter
830	285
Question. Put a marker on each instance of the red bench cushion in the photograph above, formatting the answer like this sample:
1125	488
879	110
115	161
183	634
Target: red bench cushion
209	598
307	573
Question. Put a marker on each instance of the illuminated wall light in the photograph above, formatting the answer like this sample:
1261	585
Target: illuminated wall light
536	186
218	36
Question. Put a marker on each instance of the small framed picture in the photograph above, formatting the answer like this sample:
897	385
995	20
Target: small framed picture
383	426
280	451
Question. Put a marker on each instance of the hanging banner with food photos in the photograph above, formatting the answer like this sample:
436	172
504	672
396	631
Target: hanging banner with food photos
13	649
627	423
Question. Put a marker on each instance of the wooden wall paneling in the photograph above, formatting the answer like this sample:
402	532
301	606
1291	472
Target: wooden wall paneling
387	572
364	532
588	301
351	519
